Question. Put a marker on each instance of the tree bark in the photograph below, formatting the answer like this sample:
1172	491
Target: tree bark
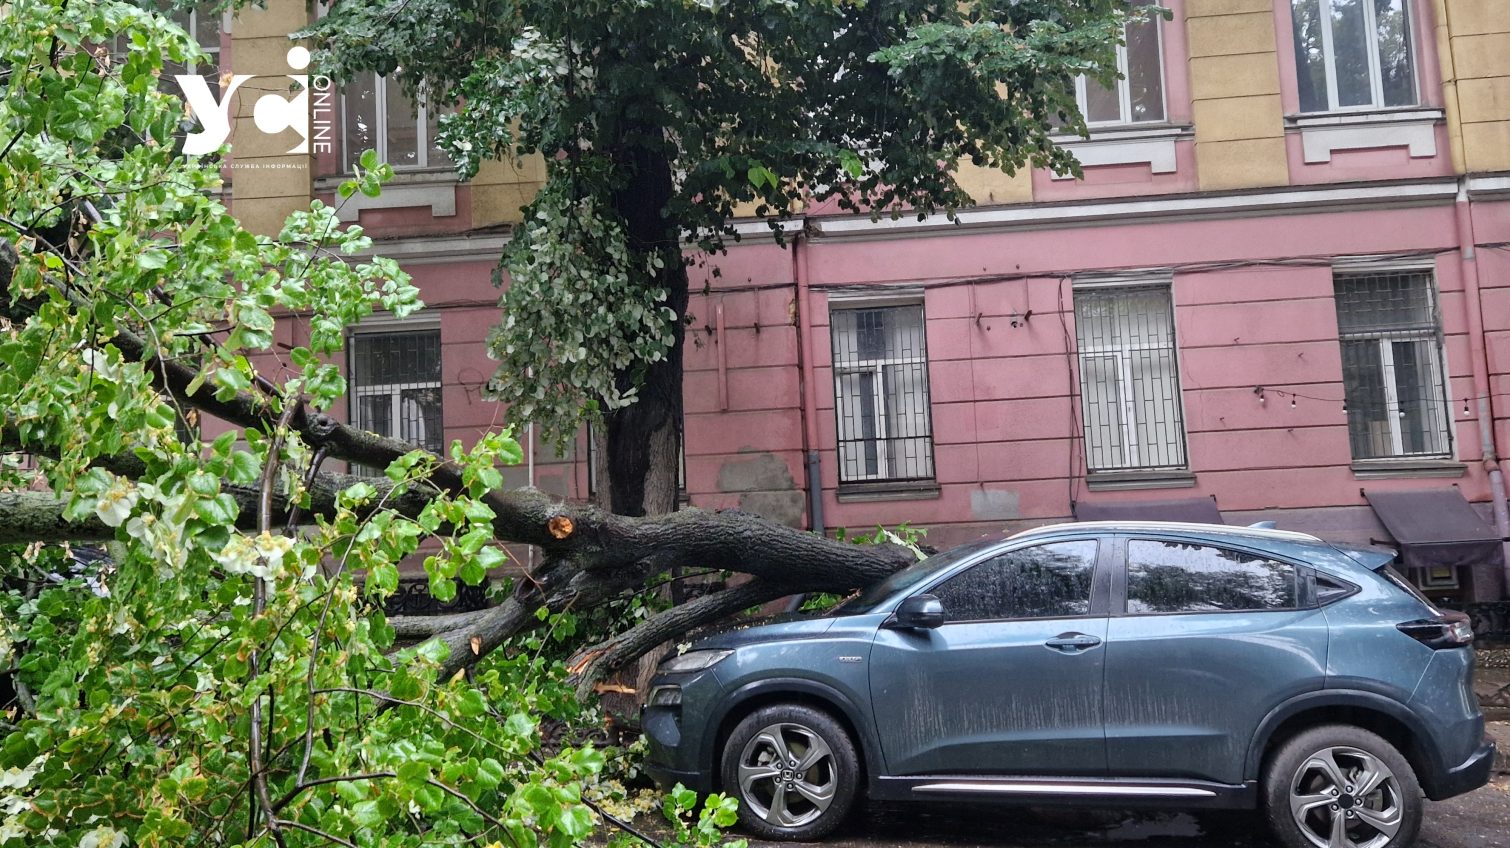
644	439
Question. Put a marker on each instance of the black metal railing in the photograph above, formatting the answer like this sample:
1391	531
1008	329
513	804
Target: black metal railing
413	598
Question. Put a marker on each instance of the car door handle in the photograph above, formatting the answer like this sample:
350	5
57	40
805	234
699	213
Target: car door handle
1073	643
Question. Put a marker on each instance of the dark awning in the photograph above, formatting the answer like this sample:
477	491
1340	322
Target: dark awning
1436	527
1194	510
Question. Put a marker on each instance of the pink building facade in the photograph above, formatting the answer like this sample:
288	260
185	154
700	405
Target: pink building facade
1282	282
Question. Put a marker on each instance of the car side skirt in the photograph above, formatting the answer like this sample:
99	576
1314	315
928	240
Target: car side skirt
1062	791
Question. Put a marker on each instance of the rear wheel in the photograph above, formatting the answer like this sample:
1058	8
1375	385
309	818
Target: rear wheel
793	769
1341	787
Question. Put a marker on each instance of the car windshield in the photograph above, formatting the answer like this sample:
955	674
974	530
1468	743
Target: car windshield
869	597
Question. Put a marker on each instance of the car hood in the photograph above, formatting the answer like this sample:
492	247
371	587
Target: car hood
790	626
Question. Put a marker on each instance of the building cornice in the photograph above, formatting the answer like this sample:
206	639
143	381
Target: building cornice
1137	210
424	249
1489	187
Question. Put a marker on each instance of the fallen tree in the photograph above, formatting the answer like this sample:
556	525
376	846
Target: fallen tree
229	676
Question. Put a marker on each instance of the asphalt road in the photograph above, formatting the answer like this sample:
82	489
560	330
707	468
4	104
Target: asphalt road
1479	819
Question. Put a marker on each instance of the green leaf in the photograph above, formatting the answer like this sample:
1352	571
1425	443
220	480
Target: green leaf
519	725
575	822
472	703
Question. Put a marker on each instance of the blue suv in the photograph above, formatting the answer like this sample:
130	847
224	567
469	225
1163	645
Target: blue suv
1101	664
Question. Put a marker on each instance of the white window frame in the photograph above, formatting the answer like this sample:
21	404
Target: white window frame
1385	340
1123	354
1371	40
1124	92
884	471
422	139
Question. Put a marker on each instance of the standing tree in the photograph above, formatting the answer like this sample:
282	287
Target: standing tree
223	677
657	117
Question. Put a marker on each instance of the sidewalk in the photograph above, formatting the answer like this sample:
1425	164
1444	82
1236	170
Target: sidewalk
1490	684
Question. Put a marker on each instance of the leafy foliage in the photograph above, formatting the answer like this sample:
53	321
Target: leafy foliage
153	682
866	105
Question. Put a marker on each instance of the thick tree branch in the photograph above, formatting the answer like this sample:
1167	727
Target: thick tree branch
593	664
590	555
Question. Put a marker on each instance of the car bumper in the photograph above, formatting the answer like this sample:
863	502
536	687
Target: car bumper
1468	776
676	734
668	777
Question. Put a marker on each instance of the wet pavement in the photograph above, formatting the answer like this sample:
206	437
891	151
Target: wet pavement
1479	819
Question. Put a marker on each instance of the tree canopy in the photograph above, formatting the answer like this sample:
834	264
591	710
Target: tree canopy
224	673
658	118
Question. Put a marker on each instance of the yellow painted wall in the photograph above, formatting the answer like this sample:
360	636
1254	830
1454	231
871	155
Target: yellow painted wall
267	182
1473	44
992	186
1234	89
500	189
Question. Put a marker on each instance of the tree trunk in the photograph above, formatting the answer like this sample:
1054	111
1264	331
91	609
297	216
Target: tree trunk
642	453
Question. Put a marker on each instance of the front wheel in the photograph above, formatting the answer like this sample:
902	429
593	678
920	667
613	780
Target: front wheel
793	769
1341	787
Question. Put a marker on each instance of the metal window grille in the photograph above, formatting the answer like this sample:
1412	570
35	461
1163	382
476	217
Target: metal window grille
1392	365
1129	379
881	394
1353	54
378	115
1138	96
395	386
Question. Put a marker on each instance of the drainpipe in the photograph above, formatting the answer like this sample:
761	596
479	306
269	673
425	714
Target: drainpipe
529	471
1474	306
809	400
809	388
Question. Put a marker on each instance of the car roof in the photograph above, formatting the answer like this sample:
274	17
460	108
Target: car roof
1183	528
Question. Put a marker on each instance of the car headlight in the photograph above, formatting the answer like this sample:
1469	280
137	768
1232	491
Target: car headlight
693	661
665	696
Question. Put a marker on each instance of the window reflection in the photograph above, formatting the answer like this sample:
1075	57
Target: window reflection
1167	577
1041	582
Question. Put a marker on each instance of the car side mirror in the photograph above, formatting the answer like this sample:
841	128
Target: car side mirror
922	612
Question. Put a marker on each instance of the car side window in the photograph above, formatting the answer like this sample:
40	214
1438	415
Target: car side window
1169	577
1046	581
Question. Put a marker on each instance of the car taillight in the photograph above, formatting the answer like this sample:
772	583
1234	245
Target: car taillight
1449	630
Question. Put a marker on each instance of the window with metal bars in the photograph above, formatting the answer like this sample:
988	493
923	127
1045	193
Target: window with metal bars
1392	365
1129	379
395	386
881	393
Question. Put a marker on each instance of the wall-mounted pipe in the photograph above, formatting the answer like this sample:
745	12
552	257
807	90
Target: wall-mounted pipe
810	439
723	357
1479	354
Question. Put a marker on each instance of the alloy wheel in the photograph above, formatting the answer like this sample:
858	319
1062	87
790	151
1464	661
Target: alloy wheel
787	775
1343	797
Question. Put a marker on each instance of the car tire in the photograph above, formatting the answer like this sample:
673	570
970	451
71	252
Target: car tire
1338	786
809	794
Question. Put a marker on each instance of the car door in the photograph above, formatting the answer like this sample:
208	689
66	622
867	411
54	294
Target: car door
1011	682
1204	640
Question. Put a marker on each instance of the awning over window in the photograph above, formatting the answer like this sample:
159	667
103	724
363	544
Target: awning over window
1194	510
1437	527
